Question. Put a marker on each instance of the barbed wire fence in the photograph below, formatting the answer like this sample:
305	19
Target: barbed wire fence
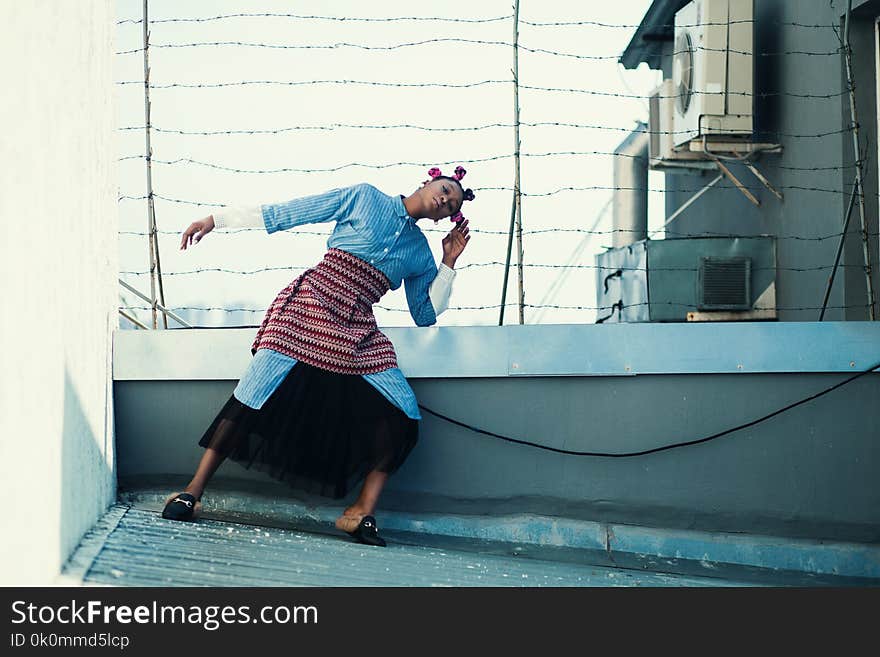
482	274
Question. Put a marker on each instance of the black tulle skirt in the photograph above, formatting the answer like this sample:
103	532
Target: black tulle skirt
320	432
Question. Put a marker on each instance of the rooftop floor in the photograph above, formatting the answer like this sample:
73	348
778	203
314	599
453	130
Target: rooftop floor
136	547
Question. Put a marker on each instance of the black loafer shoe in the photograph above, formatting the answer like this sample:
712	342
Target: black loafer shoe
367	532
182	506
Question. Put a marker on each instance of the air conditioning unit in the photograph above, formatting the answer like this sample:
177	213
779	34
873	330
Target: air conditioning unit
712	70
662	154
695	279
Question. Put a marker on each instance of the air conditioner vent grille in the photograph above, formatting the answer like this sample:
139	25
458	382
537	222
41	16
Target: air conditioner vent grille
724	283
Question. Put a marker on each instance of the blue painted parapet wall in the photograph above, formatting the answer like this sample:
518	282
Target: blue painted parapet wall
811	472
543	350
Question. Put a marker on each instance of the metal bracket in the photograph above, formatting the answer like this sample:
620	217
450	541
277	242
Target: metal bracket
725	171
684	206
159	306
744	152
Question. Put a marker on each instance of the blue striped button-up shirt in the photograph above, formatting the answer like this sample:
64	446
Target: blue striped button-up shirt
376	228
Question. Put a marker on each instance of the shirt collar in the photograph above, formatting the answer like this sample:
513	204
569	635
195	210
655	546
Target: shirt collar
401	208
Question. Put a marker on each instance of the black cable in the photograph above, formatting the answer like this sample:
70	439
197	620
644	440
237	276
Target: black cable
655	449
616	306
616	274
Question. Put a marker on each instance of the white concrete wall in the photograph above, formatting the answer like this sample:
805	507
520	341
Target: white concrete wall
58	267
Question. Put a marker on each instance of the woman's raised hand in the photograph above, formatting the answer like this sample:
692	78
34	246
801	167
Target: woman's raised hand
454	243
196	231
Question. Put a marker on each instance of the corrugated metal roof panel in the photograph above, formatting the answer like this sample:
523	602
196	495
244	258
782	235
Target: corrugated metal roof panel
133	547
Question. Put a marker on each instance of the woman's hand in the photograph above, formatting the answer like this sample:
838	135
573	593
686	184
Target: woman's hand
454	243
196	231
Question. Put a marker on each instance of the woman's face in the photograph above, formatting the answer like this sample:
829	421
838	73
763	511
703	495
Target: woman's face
440	199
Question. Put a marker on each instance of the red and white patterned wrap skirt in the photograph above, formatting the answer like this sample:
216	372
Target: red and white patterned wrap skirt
325	318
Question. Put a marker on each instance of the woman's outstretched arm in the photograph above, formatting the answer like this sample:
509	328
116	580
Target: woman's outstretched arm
329	206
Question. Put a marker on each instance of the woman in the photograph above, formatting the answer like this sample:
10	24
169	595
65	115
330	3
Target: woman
323	404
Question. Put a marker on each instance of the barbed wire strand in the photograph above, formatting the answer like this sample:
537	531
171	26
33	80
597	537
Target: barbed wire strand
491	158
534	231
477	42
488	126
219	167
570	90
444	19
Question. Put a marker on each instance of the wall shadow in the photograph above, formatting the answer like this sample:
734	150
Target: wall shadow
88	482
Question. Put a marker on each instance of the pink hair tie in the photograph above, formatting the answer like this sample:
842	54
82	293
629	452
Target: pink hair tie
460	172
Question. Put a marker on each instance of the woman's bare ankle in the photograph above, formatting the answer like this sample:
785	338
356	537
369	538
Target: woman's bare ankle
195	491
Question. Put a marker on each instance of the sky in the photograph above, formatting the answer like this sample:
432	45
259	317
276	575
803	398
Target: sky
298	129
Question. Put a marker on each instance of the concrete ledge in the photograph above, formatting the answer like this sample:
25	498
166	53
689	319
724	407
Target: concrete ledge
777	561
540	350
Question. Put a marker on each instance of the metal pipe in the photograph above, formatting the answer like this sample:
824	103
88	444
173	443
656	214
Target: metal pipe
687	204
516	184
134	321
855	131
852	199
158	305
155	266
507	262
630	211
516	209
